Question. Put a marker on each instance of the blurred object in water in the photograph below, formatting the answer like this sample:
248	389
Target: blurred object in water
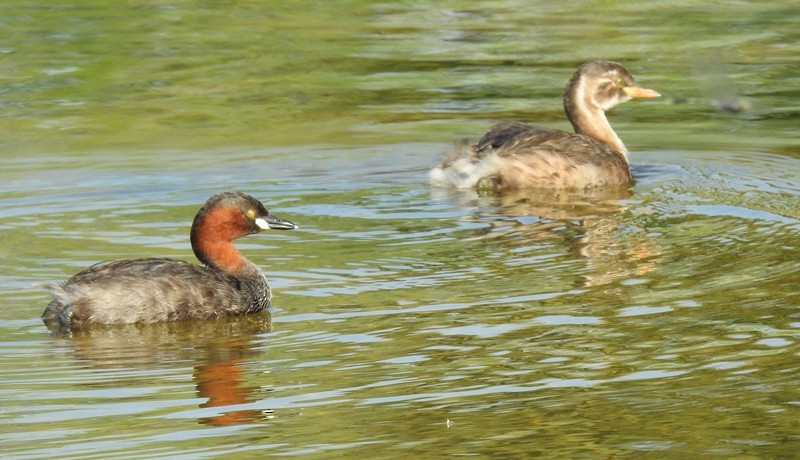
709	70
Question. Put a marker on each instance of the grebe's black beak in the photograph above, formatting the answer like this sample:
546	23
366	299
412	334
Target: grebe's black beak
272	222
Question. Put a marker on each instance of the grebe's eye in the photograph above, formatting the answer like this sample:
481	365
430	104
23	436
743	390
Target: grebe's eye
251	213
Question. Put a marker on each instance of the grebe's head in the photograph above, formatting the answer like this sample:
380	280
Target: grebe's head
227	216
603	85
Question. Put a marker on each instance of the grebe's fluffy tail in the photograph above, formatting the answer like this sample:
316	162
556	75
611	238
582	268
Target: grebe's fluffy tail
462	167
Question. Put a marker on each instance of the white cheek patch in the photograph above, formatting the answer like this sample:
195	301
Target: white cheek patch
262	224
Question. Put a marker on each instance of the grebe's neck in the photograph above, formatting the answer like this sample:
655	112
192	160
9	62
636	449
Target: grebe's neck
587	114
223	256
595	125
212	242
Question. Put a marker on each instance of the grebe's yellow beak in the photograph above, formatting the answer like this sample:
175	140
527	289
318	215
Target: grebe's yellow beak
639	92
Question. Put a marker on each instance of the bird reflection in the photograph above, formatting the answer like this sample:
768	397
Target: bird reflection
222	383
218	349
591	224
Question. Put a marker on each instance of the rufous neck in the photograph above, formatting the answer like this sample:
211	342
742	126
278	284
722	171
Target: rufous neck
212	242
224	256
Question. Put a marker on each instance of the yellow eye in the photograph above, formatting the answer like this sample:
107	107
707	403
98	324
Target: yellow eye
251	213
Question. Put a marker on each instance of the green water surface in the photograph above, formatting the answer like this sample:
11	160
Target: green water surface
657	322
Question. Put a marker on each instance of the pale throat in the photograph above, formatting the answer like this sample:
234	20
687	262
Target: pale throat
590	120
600	129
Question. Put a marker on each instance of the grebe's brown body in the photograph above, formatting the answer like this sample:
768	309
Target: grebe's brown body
515	155
157	289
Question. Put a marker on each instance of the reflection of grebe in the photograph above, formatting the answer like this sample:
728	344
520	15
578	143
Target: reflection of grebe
222	383
158	290
592	225
517	155
219	351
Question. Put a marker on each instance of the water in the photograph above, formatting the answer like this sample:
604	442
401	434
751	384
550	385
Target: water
660	322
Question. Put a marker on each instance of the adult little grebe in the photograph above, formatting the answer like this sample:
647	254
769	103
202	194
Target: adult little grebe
515	155
159	289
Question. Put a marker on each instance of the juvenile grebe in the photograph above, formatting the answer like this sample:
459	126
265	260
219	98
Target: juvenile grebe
515	155
160	289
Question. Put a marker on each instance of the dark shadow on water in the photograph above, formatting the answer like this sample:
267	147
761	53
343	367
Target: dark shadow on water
217	348
645	174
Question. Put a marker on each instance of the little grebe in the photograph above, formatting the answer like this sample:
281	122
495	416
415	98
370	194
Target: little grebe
515	155
160	289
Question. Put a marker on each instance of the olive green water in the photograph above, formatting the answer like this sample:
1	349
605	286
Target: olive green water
660	322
